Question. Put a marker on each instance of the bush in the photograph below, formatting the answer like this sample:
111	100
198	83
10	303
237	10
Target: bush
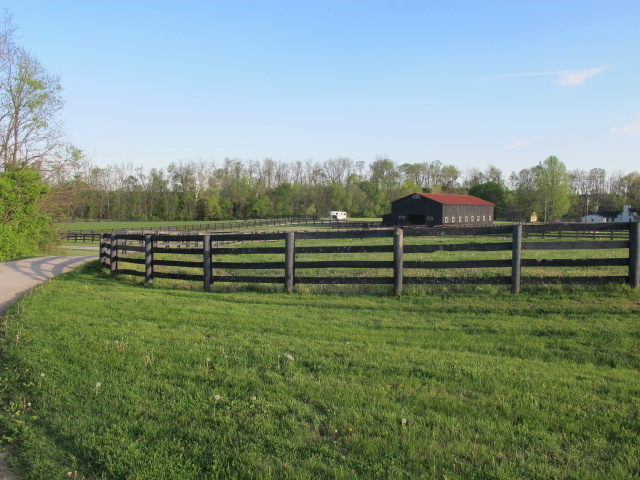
24	230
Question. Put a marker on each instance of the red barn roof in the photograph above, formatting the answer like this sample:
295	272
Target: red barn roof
447	199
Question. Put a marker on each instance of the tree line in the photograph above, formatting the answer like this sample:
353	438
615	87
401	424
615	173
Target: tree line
235	189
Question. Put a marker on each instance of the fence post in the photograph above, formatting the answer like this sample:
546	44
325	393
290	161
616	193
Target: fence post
634	254
148	258
516	257
398	260
289	260
206	261
113	252
103	249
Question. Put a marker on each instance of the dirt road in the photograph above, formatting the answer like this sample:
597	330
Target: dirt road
17	278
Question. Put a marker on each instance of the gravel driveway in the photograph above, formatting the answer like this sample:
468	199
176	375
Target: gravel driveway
17	278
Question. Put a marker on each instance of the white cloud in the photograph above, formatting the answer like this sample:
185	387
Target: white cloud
632	128
577	77
518	143
565	78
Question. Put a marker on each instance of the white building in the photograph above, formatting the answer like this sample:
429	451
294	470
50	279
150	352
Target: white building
606	216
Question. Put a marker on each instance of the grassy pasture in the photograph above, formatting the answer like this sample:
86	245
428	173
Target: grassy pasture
80	226
460	384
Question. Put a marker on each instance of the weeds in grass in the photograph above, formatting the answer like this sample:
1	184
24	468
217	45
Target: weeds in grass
120	346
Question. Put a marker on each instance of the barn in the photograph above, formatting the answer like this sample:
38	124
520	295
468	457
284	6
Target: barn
432	209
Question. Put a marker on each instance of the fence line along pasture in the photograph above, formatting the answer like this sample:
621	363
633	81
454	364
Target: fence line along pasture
306	220
94	236
395	257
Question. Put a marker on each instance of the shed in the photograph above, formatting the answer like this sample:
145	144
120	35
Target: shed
432	209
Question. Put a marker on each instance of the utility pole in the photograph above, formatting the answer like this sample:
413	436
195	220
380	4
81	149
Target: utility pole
587	215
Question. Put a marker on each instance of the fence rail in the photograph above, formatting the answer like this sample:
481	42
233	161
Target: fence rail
117	250
94	235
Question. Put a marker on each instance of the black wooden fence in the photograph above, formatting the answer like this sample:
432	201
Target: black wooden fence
93	236
117	249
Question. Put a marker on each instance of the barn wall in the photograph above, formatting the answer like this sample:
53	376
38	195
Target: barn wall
420	211
424	211
464	213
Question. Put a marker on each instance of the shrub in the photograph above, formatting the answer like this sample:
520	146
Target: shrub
23	228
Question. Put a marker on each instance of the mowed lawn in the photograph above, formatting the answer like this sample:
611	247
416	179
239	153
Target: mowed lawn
116	380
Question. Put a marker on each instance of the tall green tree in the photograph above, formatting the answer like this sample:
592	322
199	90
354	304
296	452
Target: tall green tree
384	172
262	207
631	184
30	100
553	185
493	192
449	178
283	200
416	173
524	192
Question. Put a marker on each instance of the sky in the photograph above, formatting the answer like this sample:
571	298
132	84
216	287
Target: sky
469	83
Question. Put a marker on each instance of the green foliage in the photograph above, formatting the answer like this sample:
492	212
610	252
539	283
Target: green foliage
194	191
553	188
23	229
493	192
255	385
262	208
525	194
282	199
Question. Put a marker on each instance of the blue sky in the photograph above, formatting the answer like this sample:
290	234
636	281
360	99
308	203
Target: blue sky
469	83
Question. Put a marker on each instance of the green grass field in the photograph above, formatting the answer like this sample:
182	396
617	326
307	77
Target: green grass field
116	380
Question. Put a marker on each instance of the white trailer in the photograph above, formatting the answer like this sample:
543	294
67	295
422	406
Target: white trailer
336	215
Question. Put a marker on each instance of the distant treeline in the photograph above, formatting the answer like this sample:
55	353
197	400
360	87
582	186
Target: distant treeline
236	189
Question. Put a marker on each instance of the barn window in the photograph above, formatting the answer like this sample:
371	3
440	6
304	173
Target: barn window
459	219
472	218
489	217
429	218
466	219
484	218
446	219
